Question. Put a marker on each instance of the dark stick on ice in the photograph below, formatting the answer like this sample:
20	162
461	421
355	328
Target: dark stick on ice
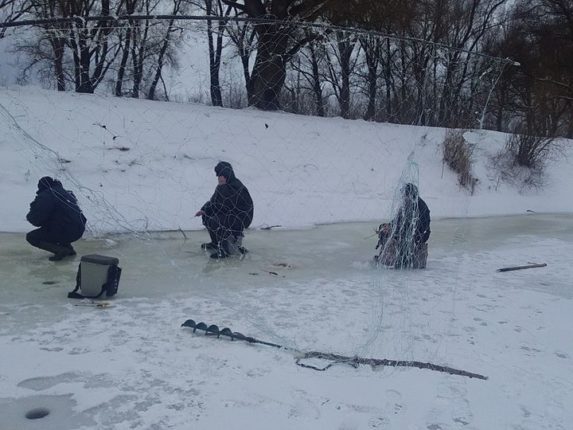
270	227
374	362
529	266
183	233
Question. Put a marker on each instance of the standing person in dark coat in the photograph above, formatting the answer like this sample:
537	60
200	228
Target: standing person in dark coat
403	241
227	213
60	220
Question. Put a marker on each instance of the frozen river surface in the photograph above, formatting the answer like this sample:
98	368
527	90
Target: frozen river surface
159	264
132	366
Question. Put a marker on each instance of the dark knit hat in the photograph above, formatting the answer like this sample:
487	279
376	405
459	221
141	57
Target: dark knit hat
411	190
224	169
47	182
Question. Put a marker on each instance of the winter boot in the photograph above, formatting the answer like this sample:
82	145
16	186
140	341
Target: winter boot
220	254
62	251
208	246
222	251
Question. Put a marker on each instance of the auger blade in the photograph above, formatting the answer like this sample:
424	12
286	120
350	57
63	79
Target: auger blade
238	336
200	326
213	330
226	332
188	323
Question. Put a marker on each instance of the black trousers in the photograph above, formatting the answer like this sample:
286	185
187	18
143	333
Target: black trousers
223	226
45	239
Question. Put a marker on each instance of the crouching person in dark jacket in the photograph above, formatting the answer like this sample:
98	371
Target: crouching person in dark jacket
403	242
228	212
60	220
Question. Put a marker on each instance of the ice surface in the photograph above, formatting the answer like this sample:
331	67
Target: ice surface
132	366
165	263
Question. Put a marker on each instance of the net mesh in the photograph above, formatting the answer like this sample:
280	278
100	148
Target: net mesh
402	241
328	76
387	324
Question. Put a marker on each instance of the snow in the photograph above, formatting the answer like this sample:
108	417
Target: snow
307	285
138	165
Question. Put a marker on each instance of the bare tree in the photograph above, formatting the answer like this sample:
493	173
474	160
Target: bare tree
371	46
55	35
89	41
275	45
215	38
243	37
165	45
468	23
539	93
126	39
11	11
310	64
143	45
341	67
139	43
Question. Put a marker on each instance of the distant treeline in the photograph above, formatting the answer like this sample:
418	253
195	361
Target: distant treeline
499	64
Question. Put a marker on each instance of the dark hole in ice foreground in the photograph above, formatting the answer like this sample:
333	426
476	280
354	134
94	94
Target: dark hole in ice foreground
37	413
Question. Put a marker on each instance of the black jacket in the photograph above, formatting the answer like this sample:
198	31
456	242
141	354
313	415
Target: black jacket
402	223
423	226
232	198
57	210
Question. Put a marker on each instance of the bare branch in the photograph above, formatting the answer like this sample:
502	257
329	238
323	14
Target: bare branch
236	5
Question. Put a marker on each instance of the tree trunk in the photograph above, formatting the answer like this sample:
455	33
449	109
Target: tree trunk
215	51
345	49
247	75
58	46
388	79
316	87
372	53
269	71
130	6
166	42
123	62
138	56
84	85
245	54
100	53
215	87
214	66
446	99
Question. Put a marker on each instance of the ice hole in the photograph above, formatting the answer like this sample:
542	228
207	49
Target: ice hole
37	413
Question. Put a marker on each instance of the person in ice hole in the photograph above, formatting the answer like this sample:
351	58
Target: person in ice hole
403	242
